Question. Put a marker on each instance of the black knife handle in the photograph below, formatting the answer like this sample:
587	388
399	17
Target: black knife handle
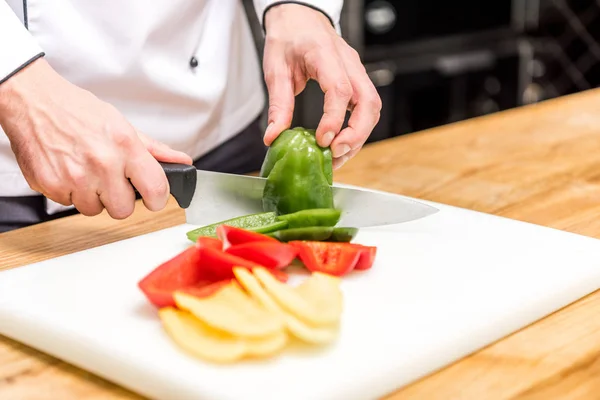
182	182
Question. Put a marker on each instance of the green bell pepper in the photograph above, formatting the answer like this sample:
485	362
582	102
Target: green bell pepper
299	173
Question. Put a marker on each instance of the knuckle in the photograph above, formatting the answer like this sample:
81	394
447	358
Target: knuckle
151	145
313	53
343	89
269	76
354	54
277	108
157	192
377	119
273	75
89	210
95	211
103	162
121	210
78	178
274	41
118	201
160	188
53	188
374	103
122	138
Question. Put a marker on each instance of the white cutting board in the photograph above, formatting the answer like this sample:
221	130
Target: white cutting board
441	288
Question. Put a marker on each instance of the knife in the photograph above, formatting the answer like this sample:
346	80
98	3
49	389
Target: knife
209	197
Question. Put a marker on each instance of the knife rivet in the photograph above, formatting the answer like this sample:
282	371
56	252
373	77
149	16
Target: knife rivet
193	62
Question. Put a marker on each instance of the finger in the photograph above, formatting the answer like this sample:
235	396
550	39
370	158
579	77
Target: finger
115	191
148	177
87	202
117	195
365	113
164	153
300	82
339	162
280	86
328	70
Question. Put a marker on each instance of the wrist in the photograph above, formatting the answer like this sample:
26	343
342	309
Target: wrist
280	13
14	89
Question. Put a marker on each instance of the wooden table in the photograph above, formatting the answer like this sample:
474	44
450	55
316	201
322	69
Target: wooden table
539	164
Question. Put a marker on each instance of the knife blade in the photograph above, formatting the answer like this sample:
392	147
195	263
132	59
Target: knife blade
209	197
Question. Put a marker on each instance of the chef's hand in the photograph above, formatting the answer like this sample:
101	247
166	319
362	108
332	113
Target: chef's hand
301	44
76	149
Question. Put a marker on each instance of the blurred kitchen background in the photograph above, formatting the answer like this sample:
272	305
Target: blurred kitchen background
435	62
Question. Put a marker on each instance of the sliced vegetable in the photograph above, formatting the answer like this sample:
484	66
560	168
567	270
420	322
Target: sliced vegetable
183	270
367	256
316	233
204	288
331	258
203	341
220	264
319	303
300	329
199	339
261	222
213	243
272	227
280	275
231	310
234	235
268	254
343	234
311	217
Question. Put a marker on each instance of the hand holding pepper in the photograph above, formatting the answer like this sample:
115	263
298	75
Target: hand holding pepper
301	44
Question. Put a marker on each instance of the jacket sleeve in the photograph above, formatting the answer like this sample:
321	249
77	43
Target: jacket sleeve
18	48
331	8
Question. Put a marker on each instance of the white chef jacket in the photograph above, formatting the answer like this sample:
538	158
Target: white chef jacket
136	55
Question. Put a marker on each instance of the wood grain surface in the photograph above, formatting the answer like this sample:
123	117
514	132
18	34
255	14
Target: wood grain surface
539	164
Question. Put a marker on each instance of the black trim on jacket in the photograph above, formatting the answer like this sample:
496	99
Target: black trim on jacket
26	63
25	16
277	3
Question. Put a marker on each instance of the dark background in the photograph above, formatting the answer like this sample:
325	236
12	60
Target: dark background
435	61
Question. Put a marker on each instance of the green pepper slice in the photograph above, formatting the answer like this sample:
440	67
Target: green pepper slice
312	217
261	223
316	233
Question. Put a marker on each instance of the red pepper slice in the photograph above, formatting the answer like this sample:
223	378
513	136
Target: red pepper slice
367	256
332	258
221	264
183	270
280	275
205	288
268	254
234	235
205	241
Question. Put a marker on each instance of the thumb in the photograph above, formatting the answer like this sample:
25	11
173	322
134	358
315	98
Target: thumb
162	152
281	102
